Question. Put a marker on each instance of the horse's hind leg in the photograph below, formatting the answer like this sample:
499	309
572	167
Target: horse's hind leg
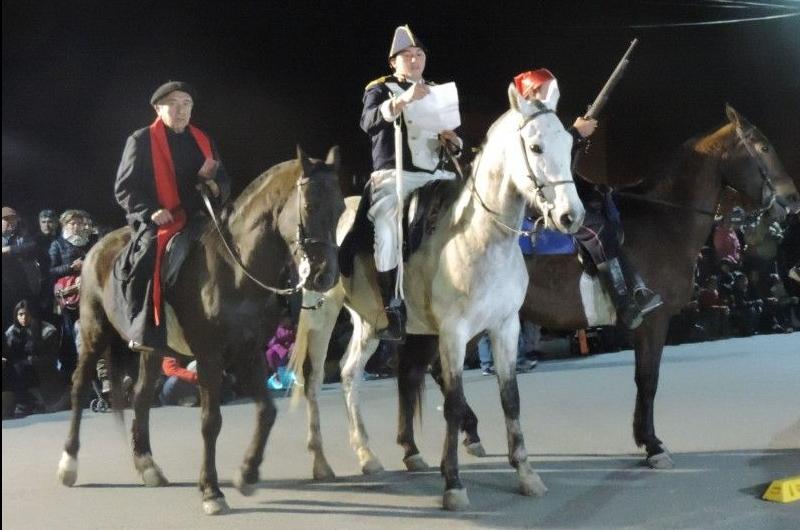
413	359
149	368
649	343
94	340
362	345
504	349
472	442
209	373
246	478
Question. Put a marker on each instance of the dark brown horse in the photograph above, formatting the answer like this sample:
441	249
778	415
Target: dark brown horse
287	213
667	219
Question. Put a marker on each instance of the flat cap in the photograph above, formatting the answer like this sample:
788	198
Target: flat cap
172	86
9	212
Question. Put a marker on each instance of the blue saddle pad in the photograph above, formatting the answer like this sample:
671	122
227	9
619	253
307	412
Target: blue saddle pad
545	242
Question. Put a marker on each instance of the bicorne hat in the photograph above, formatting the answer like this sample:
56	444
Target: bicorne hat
403	38
172	86
529	81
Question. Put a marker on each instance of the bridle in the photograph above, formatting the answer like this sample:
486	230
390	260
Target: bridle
298	246
538	187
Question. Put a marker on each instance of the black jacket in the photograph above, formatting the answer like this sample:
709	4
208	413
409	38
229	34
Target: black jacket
135	187
62	254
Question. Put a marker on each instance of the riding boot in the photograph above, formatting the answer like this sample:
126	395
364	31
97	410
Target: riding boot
645	298
395	331
613	280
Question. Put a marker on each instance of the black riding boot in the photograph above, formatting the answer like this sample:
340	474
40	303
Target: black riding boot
394	308
645	298
613	280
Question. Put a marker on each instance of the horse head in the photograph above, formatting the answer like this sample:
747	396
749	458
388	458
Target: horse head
310	227
751	166
538	156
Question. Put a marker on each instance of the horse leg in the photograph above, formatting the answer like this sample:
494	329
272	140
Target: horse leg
649	344
149	368
209	373
469	426
504	349
246	477
451	354
95	339
361	347
413	359
319	334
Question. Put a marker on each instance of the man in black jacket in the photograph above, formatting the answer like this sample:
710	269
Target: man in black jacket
157	185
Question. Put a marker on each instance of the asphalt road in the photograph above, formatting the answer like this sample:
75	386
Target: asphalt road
728	410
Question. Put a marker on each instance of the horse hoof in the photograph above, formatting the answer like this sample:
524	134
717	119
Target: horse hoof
67	469
242	486
531	485
416	463
455	500
322	471
660	461
372	466
215	506
153	478
476	449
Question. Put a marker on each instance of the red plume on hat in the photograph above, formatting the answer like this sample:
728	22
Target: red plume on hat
531	80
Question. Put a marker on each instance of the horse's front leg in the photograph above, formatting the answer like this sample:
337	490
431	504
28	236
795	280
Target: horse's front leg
361	347
649	344
504	349
452	345
209	373
472	441
149	370
255	372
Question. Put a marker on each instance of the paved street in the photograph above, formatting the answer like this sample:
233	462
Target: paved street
728	410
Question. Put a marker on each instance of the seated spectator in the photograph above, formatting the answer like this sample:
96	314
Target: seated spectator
726	242
180	388
745	308
780	305
763	237
30	350
713	311
726	278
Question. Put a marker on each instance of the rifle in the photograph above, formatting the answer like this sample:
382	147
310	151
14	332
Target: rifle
602	98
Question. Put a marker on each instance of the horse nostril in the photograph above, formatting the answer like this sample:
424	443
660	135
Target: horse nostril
566	220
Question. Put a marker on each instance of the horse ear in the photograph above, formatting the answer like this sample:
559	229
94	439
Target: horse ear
333	157
305	163
732	115
513	97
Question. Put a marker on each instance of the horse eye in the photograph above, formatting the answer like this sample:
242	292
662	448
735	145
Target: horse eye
536	148
764	149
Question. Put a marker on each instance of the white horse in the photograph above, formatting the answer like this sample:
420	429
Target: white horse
467	277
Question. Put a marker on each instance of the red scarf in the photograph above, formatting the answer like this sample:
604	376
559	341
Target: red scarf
167	193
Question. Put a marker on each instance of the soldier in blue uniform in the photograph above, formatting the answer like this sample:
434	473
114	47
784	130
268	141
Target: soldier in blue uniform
385	99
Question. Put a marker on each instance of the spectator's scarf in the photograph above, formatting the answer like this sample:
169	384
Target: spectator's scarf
167	193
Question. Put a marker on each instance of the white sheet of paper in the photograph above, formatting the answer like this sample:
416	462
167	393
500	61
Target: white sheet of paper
438	111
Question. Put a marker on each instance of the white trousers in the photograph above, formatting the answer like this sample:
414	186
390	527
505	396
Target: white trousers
384	210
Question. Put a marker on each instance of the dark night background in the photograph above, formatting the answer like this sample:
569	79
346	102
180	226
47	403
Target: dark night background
77	77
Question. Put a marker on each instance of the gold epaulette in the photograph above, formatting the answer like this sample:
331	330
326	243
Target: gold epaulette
377	82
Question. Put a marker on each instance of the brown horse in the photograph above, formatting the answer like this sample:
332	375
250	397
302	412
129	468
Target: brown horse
667	219
287	213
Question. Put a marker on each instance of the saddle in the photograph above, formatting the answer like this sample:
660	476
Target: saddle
421	214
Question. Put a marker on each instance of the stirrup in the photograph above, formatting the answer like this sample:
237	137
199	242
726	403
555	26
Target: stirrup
647	300
139	347
395	330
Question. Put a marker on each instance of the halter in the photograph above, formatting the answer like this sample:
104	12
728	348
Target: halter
763	172
542	109
298	245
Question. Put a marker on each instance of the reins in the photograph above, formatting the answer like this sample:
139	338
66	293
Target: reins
304	269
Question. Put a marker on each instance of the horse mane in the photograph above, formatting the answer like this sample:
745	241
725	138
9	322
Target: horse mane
270	190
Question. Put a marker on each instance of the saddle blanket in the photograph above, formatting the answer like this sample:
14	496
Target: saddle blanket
545	242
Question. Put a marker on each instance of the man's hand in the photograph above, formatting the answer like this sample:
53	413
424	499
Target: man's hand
416	91
162	217
585	127
209	169
210	185
77	265
449	136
